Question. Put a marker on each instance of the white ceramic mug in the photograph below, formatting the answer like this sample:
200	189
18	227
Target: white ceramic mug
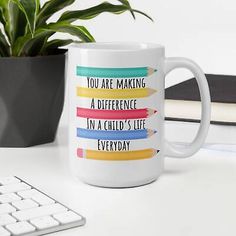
117	114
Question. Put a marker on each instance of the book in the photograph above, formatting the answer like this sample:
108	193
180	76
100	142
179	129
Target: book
183	110
183	100
182	132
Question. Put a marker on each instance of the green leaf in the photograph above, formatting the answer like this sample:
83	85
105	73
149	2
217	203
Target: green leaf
28	46
30	9
78	31
51	7
4	11
56	43
92	12
1	17
142	13
6	19
32	46
13	20
126	2
4	46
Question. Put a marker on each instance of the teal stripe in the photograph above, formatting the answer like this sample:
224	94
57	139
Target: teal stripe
112	72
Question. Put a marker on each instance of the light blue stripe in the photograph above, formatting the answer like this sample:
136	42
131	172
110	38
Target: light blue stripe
112	135
112	72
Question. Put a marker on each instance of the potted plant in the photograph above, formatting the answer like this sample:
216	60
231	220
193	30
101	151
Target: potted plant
32	65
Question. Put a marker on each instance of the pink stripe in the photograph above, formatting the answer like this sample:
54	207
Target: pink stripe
80	153
112	114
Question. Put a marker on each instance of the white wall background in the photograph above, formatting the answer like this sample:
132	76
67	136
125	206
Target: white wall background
204	30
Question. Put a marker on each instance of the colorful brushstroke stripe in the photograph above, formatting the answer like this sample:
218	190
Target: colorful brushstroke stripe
114	114
114	93
116	156
115	135
114	72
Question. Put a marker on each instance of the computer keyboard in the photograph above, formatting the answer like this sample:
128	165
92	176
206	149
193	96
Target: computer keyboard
24	210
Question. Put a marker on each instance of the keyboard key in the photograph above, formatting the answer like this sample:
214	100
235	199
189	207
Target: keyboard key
20	228
25	204
9	197
6	219
44	222
4	232
14	188
28	193
6	208
67	217
43	200
39	212
37	196
9	180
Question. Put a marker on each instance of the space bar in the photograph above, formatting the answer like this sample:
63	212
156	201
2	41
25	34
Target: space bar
39	212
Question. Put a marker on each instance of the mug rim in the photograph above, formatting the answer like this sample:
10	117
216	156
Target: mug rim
117	46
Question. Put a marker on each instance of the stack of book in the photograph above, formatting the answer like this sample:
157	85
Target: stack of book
183	110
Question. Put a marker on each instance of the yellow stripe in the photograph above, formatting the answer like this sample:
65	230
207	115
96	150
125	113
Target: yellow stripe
112	93
119	156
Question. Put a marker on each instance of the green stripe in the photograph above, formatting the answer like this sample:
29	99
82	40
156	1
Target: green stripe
112	72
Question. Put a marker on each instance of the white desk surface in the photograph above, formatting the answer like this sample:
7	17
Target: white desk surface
195	196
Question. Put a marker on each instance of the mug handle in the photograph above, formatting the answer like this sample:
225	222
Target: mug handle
172	150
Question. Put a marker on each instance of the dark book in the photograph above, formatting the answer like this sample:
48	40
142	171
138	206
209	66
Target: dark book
183	100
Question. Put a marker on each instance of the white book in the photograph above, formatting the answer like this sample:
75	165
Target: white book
220	137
